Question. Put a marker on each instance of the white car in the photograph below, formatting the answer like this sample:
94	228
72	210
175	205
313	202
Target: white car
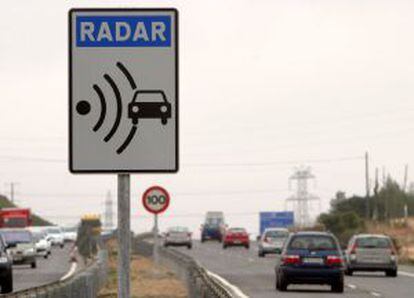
70	234
43	245
55	236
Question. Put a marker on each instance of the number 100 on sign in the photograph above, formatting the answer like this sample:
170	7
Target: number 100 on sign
156	199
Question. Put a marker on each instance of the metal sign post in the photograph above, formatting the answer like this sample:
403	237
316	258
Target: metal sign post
155	252
124	235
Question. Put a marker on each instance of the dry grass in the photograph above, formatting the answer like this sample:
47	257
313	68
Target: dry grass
147	280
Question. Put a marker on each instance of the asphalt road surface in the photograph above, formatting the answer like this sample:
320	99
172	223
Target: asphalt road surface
47	271
255	276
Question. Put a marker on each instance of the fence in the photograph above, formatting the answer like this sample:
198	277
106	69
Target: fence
200	283
85	284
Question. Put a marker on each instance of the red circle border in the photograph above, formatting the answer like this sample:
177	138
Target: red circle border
161	189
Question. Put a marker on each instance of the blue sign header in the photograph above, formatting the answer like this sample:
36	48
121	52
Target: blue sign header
123	31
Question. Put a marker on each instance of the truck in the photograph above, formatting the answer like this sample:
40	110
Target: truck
214	226
276	219
15	218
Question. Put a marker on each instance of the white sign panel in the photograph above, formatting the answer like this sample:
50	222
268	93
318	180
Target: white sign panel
123	90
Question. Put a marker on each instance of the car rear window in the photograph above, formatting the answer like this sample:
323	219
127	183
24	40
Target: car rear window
312	242
276	234
237	230
373	242
178	229
214	221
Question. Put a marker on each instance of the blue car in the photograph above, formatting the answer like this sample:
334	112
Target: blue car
311	258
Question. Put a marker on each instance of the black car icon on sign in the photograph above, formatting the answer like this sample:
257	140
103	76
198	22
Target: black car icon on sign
149	104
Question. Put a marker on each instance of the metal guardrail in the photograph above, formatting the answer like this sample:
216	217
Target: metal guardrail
84	284
200	282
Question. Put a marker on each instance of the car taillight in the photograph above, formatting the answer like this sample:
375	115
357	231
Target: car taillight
334	260
267	240
290	259
353	249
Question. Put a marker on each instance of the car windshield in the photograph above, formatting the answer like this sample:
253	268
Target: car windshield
70	230
13	237
373	242
148	97
178	230
53	231
312	242
37	236
276	234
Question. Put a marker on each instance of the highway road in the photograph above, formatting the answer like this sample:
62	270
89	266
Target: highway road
255	276
48	270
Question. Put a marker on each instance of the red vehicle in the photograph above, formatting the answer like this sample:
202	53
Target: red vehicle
15	218
236	237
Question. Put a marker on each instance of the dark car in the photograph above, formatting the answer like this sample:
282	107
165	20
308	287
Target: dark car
213	228
6	271
370	252
311	258
149	104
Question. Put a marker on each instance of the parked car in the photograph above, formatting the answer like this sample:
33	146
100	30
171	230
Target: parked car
70	234
214	226
43	245
6	269
368	252
55	236
311	258
20	245
178	236
272	240
236	237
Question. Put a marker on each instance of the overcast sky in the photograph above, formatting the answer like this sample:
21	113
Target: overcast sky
264	86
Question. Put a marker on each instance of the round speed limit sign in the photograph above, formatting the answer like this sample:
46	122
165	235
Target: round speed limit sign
156	199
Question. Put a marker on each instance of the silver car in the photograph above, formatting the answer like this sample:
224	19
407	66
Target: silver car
370	252
20	245
272	241
178	236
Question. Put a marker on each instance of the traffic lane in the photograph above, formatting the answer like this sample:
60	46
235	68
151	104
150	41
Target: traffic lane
47	270
255	276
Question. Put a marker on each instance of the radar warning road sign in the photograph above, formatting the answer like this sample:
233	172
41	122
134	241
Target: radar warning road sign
123	90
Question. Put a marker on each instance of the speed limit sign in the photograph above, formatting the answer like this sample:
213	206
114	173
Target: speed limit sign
156	199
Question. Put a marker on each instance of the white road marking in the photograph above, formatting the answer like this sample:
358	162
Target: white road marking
238	293
403	273
353	287
251	260
70	272
375	294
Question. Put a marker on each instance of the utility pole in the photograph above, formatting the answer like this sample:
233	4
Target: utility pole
109	224
405	178
376	187
302	198
12	189
367	211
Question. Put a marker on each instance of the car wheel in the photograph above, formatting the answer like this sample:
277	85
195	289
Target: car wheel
391	273
277	285
164	121
62	246
202	240
7	284
338	286
33	265
189	246
261	254
45	256
348	272
283	284
247	246
224	246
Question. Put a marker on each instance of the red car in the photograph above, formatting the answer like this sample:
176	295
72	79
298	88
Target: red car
236	237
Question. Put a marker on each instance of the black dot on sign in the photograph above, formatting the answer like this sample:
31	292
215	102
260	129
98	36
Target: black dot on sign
83	107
